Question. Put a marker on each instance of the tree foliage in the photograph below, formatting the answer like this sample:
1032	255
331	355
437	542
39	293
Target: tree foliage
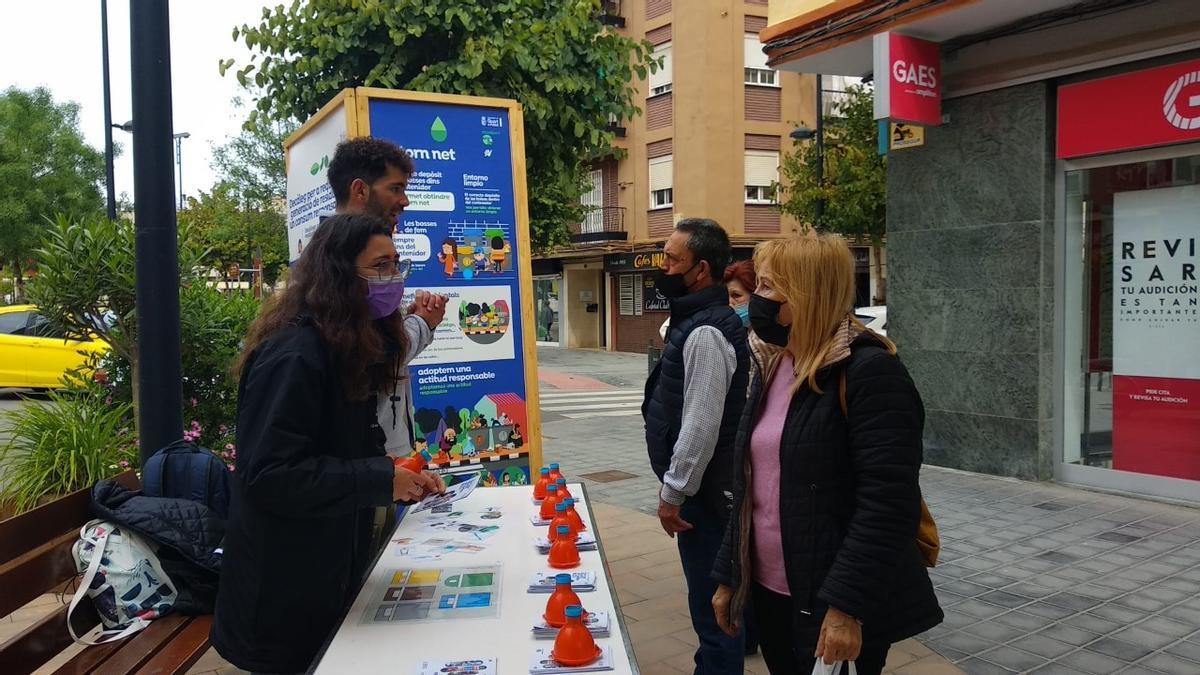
855	183
230	227
568	71
252	163
46	168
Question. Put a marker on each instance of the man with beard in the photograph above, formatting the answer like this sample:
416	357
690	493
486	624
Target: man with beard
694	399
370	176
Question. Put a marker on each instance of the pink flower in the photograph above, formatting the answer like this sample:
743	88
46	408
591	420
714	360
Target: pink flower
229	446
108	400
222	429
231	468
124	464
194	404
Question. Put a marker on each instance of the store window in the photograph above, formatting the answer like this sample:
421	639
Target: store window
1132	398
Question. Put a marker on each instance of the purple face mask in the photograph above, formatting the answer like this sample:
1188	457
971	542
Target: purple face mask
384	297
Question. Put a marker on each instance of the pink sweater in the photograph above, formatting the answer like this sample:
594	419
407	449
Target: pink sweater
767	554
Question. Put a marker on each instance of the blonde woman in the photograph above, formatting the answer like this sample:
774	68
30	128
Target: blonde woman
826	496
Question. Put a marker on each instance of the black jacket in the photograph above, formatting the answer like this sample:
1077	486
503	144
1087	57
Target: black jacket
189	533
310	470
849	501
662	407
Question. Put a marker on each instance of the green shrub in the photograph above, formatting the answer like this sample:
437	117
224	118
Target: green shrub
63	444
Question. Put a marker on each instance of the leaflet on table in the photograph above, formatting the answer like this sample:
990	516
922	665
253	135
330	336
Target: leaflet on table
466	667
543	663
545	582
597	623
453	493
469	384
585	542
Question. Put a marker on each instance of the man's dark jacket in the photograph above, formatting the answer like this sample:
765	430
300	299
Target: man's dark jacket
310	470
663	403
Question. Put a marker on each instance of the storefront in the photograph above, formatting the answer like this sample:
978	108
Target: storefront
1131	278
636	307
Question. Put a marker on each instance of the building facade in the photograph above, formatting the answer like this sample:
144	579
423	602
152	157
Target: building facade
714	122
1043	241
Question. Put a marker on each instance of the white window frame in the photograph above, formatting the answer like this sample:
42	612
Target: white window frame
755	70
629	294
659	83
763	193
662	190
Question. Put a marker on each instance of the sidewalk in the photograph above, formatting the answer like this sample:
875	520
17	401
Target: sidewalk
1034	577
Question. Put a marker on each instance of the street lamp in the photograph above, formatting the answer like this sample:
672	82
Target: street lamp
128	128
108	141
804	134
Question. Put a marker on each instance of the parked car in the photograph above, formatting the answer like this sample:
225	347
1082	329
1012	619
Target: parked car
874	318
34	355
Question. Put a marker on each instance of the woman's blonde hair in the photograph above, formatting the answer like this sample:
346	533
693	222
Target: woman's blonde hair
814	274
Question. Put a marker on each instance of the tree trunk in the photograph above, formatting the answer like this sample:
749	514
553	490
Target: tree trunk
19	286
880	281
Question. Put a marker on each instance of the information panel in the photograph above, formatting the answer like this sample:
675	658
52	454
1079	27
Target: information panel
461	231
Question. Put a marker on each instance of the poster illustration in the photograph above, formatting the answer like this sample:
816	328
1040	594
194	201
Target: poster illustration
459	231
1156	332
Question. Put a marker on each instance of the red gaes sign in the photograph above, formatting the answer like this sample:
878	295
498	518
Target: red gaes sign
911	90
1157	106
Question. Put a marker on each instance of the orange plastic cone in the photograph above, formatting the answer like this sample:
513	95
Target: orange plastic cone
549	502
415	462
562	488
562	597
575	646
573	516
563	552
539	488
561	518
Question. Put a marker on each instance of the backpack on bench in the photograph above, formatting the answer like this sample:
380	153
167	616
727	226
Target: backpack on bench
183	470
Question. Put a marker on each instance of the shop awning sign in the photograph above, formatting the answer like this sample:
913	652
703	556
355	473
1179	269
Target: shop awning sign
1142	109
908	73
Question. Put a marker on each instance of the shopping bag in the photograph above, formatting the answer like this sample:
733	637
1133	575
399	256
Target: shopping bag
819	668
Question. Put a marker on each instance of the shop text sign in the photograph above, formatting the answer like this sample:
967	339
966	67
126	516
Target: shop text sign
1156	328
632	262
1147	108
912	91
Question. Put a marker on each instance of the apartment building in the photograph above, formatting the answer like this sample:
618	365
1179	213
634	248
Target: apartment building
714	122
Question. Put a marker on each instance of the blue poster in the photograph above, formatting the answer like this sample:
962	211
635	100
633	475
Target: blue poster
459	232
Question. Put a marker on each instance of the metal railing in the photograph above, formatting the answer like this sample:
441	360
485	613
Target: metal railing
601	219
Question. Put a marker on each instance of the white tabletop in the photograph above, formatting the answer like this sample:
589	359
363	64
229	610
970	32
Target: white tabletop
400	647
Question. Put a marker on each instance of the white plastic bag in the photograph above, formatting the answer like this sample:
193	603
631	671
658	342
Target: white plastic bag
819	668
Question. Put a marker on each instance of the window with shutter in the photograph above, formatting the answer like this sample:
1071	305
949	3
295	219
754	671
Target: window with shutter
762	173
660	80
661	182
755	63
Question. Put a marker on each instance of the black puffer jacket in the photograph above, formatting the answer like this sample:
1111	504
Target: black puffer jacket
310	470
849	501
188	531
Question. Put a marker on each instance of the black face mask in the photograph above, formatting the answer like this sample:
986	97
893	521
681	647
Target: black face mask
672	286
763	315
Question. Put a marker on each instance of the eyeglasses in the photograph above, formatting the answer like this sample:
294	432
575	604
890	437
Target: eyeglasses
389	270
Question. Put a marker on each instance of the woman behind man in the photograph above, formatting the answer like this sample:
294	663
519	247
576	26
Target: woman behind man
827	500
311	467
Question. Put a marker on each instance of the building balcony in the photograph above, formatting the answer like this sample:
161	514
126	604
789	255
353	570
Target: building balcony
610	13
604	223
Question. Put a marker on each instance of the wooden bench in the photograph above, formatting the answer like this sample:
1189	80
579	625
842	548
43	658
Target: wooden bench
35	558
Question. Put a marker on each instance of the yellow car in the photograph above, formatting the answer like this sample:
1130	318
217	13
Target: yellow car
32	354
